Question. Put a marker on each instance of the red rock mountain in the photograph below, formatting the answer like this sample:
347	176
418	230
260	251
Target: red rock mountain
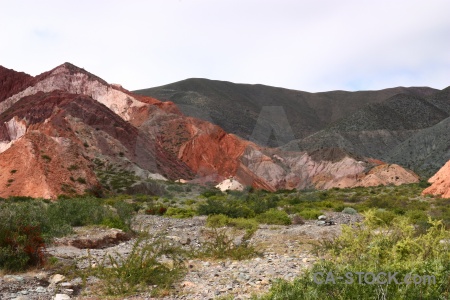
440	183
59	128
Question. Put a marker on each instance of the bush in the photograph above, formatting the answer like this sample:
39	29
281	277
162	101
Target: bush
157	263
161	210
310	213
349	210
377	247
78	211
217	221
220	245
179	213
21	248
275	217
384	217
233	208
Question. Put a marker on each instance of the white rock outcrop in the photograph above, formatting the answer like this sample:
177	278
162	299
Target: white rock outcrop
230	185
79	83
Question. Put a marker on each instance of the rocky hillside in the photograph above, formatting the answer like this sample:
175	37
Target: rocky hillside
405	129
239	108
405	126
62	131
440	183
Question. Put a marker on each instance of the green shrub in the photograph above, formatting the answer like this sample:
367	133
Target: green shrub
46	157
220	245
212	192
384	216
217	221
349	210
156	263
73	167
241	223
233	208
160	210
78	211
21	248
179	213
310	213
376	247
115	222
274	216
81	180
417	216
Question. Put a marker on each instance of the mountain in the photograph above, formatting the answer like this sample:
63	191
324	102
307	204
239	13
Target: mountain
440	183
377	128
67	131
405	129
248	110
429	149
12	82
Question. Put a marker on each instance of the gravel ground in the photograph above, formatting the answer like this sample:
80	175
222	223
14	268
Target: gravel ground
285	251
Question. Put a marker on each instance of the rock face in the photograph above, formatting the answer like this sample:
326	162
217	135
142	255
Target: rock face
440	183
58	128
230	185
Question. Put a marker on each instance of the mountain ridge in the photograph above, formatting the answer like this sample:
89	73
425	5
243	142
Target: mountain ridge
237	107
66	125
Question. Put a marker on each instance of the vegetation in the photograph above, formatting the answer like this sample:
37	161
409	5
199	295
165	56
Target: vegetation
375	247
156	263
223	243
403	232
29	224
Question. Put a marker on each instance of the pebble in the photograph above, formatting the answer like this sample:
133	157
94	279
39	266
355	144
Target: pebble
283	256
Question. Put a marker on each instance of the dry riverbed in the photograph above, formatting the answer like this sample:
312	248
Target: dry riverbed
284	252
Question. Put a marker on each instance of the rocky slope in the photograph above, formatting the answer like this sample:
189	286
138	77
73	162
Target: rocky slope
253	111
405	129
59	128
440	183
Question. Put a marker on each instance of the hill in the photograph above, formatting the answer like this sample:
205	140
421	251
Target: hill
68	131
239	108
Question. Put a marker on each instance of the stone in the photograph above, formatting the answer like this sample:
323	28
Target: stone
21	297
322	217
66	284
61	297
57	278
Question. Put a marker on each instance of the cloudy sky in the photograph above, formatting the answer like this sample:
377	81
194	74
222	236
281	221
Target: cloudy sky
299	44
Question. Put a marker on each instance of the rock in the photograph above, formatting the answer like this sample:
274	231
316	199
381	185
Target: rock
96	239
57	278
322	217
61	297
440	183
41	289
188	284
185	240
21	298
320	223
230	184
13	278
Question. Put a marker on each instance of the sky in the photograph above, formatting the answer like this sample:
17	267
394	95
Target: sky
317	45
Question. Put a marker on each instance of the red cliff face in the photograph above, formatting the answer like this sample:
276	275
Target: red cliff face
55	125
440	183
12	82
